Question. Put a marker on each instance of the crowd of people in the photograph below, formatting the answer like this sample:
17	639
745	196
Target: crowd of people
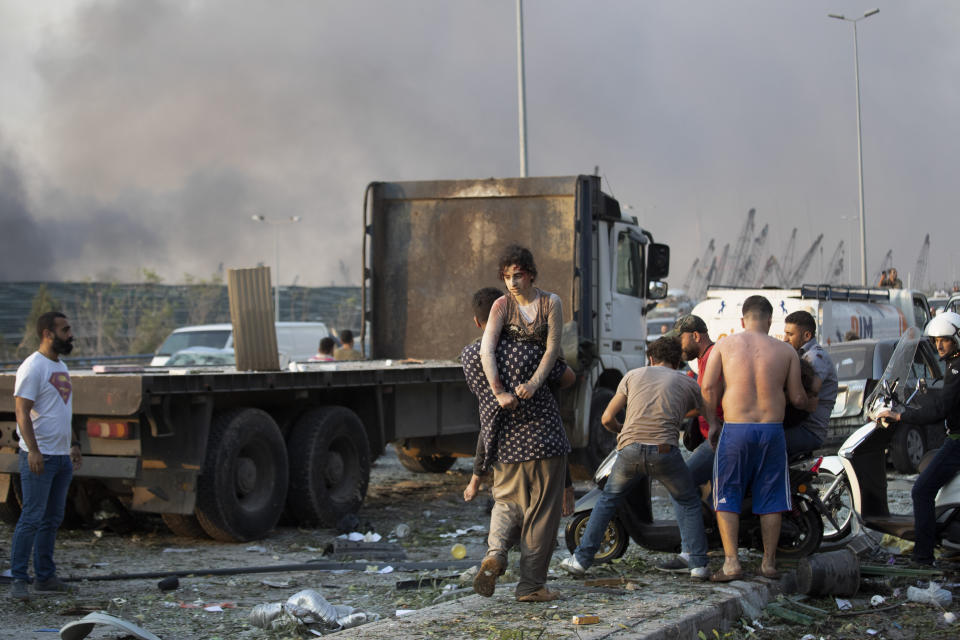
757	400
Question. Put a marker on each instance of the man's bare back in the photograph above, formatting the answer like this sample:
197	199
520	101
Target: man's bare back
755	368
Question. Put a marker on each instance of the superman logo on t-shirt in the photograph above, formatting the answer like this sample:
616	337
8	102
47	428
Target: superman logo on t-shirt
61	382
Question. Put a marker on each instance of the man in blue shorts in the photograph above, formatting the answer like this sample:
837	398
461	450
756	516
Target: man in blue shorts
751	451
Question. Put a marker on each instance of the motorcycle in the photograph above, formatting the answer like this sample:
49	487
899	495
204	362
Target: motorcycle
857	496
800	533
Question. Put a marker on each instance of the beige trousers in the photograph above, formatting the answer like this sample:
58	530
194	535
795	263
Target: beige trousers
528	497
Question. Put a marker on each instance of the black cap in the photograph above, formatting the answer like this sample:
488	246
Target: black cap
688	324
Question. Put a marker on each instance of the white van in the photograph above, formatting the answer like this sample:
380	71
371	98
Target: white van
296	341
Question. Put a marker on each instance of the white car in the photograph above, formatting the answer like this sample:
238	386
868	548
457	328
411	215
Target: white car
296	341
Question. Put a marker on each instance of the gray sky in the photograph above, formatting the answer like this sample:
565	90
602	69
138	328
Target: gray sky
145	134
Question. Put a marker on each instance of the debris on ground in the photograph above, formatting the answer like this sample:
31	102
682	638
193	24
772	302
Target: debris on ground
309	610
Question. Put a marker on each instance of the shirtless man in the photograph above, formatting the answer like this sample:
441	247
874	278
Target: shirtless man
751	450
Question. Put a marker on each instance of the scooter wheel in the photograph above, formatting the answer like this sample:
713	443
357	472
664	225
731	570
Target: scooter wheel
614	542
801	531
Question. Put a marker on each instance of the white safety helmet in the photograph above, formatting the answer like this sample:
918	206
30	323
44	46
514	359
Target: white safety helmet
945	325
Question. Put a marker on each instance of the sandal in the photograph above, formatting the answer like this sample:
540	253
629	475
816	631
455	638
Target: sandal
720	576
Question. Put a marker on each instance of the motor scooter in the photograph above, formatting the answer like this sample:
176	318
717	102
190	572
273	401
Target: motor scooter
800	533
860	469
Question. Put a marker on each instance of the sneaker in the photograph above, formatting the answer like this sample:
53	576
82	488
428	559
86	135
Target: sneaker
675	565
53	584
700	573
19	590
573	567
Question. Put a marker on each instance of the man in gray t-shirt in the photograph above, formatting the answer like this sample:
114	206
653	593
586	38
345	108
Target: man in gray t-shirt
656	399
800	330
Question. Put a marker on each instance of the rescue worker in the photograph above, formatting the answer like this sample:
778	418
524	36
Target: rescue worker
933	407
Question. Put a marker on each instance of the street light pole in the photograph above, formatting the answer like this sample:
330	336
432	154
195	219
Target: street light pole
276	255
521	92
856	75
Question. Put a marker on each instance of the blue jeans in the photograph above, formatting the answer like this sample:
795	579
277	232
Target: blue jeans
700	463
44	500
801	439
939	472
634	462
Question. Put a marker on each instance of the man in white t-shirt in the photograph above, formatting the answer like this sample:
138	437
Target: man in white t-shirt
43	398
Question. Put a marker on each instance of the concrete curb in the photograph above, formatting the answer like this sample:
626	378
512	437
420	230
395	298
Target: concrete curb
666	610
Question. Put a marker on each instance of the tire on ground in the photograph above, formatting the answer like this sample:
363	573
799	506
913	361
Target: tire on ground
243	486
185	525
330	466
907	447
424	464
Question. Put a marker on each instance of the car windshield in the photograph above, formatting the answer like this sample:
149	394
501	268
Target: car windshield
855	360
213	338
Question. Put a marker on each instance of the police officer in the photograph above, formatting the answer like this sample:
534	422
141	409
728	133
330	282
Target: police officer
945	405
800	330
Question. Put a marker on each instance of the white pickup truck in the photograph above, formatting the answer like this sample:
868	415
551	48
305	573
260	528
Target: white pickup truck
869	313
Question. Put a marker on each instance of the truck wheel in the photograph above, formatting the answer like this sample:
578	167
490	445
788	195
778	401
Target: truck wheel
241	492
10	508
330	462
185	525
424	464
907	448
601	441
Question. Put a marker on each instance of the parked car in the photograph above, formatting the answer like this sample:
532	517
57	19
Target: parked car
860	364
202	356
296	341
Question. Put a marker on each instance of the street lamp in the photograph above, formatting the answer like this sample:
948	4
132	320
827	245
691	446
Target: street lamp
521	92
276	254
856	75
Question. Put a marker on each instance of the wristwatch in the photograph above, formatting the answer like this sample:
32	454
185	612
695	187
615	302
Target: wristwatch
75	443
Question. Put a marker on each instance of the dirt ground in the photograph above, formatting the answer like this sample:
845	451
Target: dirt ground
430	505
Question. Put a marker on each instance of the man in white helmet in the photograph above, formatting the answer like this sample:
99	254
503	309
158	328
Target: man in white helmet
945	405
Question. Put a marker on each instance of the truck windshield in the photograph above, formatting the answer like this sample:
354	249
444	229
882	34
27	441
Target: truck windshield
216	339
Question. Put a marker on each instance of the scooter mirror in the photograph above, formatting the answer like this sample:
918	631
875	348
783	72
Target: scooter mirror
922	385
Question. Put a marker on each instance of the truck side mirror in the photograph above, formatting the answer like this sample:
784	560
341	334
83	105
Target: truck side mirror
658	261
657	290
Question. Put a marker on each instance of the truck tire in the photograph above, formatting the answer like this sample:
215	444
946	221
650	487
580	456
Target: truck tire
185	525
424	464
243	486
907	447
10	508
601	441
330	463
